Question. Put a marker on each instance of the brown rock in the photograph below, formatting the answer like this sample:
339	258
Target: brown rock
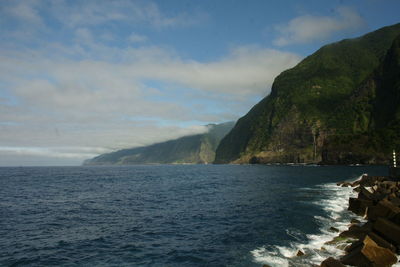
380	241
369	194
331	262
389	230
299	253
356	231
333	229
394	199
354	221
378	255
357	189
396	219
356	258
384	209
266	265
389	184
368	253
353	246
367	180
359	206
365	194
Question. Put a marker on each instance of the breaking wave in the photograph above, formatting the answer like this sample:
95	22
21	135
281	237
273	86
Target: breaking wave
316	248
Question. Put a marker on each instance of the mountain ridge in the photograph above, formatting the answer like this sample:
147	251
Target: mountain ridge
299	120
192	149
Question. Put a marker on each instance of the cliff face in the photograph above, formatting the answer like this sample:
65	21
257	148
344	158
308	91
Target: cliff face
374	109
198	148
334	107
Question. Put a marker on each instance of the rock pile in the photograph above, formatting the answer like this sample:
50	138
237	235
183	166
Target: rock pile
376	242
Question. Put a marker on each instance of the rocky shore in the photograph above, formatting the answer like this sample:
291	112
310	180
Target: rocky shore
375	242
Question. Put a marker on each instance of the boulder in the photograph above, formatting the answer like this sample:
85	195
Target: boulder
388	230
299	253
389	184
396	219
367	193
357	231
378	255
356	258
353	246
387	188
333	229
394	199
368	253
331	262
380	241
357	189
384	209
359	206
367	180
355	221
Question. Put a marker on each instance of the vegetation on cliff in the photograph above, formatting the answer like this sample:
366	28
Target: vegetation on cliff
339	106
198	148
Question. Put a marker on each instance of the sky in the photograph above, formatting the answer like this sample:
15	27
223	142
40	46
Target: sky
81	78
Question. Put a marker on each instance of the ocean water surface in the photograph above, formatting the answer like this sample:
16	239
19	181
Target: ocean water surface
172	215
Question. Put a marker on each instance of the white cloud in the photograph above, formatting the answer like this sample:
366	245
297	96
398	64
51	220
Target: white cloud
83	35
247	70
75	84
108	104
309	28
57	152
137	38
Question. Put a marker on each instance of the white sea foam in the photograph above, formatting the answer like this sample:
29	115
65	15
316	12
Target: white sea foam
262	255
335	204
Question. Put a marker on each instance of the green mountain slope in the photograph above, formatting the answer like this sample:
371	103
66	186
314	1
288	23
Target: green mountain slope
198	148
374	109
317	110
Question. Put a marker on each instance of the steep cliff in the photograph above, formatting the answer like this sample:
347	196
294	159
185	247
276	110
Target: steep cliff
329	108
374	112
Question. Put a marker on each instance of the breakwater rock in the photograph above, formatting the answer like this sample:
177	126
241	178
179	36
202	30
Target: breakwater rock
375	242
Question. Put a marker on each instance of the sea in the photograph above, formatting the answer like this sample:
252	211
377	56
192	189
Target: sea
173	215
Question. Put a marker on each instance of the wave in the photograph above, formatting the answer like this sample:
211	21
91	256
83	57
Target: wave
316	249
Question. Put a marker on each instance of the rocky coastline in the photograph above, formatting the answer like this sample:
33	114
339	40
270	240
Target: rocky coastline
374	239
377	241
